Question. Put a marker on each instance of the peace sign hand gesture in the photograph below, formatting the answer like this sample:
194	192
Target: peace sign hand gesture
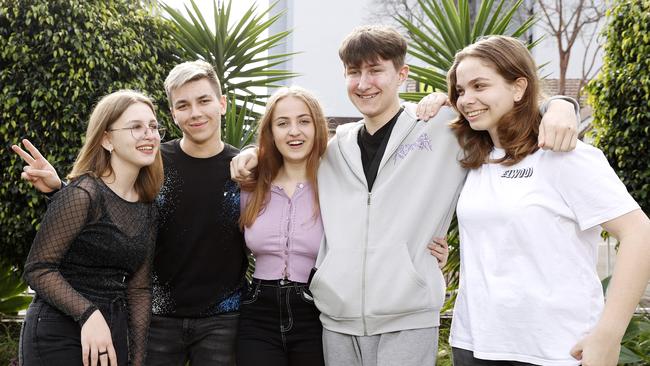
38	171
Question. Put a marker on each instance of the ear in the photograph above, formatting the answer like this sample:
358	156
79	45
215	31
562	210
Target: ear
403	73
223	105
106	143
519	87
171	111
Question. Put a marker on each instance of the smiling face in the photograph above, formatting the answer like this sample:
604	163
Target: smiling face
197	110
126	149
292	126
484	96
373	89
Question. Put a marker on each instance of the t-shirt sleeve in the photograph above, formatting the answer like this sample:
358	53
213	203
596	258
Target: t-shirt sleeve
590	187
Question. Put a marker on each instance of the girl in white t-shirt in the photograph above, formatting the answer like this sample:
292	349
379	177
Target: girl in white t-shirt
529	223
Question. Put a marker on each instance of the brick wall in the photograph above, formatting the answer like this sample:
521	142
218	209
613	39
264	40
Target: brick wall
551	86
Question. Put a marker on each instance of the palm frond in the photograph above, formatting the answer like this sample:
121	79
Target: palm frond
444	29
238	49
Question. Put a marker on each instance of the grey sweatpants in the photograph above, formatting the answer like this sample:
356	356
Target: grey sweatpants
413	347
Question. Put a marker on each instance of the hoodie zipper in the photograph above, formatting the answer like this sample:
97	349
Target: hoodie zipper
365	248
363	266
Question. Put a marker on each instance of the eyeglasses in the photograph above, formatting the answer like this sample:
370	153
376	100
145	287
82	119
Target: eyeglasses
139	132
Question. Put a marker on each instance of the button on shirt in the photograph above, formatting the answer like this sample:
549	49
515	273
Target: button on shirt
286	236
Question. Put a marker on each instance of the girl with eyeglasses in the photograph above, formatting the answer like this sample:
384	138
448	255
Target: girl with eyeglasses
90	263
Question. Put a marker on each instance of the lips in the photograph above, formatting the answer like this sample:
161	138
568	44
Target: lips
147	149
472	115
198	124
295	143
367	96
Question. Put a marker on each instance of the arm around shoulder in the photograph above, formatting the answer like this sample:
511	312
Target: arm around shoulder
559	126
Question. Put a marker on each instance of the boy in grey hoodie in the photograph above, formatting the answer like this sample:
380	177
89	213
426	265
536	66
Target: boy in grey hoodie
387	185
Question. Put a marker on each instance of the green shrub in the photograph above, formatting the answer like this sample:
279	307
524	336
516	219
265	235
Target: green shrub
9	336
620	96
57	58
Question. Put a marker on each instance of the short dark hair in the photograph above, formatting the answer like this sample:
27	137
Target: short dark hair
370	43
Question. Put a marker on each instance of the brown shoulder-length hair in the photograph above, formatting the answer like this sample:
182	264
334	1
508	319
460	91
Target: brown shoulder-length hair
270	160
517	129
95	161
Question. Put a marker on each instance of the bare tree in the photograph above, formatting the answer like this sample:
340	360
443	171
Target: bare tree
383	11
569	21
593	44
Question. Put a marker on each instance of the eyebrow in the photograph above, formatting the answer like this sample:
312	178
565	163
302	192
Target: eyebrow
473	81
478	79
179	101
300	116
140	121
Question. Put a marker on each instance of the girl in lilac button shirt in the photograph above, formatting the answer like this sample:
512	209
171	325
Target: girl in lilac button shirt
279	323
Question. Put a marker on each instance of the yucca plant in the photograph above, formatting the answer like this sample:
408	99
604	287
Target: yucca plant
445	29
12	291
239	127
237	49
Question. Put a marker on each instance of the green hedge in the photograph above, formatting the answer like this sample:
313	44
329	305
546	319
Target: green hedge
57	58
620	95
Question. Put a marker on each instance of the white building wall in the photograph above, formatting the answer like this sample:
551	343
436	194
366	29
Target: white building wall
318	29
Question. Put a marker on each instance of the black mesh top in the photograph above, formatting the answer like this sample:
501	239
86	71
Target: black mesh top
92	244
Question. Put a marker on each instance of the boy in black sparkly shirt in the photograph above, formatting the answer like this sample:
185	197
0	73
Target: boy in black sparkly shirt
200	261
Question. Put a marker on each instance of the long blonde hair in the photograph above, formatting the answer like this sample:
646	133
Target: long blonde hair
270	159
95	161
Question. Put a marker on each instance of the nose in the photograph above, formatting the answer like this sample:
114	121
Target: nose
364	82
195	111
294	130
465	99
149	133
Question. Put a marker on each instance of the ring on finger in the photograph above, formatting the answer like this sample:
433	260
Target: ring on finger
102	353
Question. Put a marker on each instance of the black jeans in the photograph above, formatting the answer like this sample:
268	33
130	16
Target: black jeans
51	338
464	357
208	341
279	326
